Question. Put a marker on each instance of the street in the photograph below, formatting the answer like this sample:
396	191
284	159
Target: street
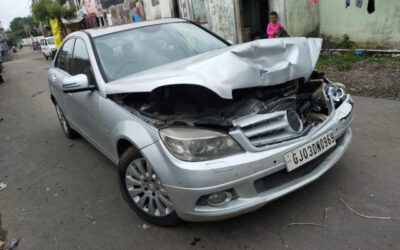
64	194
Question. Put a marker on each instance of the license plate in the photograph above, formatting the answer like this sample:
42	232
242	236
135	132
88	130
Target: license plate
309	151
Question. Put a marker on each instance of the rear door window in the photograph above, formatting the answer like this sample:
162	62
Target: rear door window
65	56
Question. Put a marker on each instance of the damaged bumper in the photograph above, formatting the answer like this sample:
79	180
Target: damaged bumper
254	177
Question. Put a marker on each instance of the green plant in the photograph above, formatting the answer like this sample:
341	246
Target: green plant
375	59
340	61
347	43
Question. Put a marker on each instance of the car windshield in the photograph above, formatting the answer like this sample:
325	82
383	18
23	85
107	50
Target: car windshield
50	41
131	51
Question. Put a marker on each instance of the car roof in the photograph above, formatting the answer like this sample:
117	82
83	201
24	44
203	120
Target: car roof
112	29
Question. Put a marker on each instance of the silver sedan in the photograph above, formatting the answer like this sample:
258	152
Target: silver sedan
200	129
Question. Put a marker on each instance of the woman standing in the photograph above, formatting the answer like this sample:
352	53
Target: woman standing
274	27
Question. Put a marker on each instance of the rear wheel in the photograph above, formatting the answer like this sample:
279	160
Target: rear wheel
143	190
47	58
68	131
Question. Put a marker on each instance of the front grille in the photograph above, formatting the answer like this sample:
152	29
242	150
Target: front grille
282	177
265	129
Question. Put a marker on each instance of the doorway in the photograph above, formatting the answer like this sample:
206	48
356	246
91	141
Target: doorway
254	15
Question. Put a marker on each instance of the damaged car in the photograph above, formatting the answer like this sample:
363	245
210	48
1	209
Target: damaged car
200	129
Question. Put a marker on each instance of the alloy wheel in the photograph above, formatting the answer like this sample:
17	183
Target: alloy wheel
146	190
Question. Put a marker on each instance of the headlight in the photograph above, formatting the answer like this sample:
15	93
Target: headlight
190	144
338	94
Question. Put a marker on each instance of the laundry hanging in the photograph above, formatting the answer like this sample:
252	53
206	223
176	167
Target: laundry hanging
371	6
359	3
314	2
347	3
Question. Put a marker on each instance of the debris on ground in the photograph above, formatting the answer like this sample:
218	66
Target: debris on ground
70	145
195	241
38	93
91	219
3	186
1	119
145	226
362	215
312	224
13	244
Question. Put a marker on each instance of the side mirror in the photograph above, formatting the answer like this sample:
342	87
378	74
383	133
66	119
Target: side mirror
77	83
230	42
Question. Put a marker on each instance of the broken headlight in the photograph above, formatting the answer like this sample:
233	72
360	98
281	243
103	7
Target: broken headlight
191	144
337	93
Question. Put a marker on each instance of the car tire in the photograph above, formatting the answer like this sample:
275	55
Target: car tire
132	180
68	131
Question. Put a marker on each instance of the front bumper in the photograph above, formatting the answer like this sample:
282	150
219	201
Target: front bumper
257	177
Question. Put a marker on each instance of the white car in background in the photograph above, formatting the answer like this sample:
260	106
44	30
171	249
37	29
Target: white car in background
48	47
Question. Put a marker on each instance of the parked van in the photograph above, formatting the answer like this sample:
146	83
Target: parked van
48	47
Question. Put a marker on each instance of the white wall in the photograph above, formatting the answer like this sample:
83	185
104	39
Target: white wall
379	29
163	10
221	18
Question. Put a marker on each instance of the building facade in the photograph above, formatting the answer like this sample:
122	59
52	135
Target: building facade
245	20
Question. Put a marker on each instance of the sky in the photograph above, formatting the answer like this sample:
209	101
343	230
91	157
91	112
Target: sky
10	9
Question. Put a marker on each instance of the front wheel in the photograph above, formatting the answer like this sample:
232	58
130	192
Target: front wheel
143	190
68	131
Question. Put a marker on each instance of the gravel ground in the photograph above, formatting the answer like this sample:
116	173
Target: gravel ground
370	77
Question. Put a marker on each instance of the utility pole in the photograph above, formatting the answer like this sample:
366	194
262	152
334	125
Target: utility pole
28	34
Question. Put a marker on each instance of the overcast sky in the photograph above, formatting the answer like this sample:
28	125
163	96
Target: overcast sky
10	9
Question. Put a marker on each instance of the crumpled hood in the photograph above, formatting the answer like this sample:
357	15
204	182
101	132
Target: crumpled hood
255	64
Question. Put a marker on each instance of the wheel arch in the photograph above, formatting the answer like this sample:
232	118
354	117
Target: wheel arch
53	99
123	144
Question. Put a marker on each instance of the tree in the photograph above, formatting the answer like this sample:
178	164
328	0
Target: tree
44	10
20	25
12	39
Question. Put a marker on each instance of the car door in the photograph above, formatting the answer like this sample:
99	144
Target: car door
59	72
83	107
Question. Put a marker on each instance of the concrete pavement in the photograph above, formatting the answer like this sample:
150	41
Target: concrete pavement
63	194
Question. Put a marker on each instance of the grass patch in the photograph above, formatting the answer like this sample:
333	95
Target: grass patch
375	59
340	61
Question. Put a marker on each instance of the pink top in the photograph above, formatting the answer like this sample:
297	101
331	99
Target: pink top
271	29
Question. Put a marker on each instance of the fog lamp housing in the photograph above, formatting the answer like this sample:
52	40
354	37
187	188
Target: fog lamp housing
219	199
